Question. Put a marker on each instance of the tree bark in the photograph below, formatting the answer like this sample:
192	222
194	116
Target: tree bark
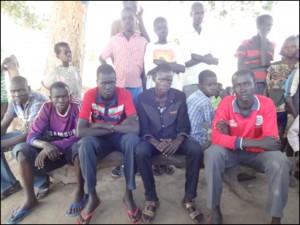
67	25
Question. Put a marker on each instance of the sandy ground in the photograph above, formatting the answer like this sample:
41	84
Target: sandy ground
51	210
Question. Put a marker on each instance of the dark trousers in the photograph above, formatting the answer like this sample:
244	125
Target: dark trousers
194	157
92	149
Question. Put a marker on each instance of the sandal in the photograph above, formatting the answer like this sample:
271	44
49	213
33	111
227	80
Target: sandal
117	171
150	211
134	217
191	209
168	169
157	170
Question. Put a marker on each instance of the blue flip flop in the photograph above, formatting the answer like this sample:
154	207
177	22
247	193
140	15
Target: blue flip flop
79	205
20	215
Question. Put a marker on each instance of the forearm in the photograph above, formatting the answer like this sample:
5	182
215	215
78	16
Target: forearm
82	132
291	108
143	30
39	143
191	63
13	141
177	68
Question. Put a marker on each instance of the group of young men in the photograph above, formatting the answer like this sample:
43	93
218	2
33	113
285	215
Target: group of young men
117	115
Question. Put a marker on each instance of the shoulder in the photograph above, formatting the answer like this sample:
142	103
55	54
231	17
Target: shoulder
265	102
38	97
178	94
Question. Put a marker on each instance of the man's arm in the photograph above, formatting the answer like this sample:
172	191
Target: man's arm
176	68
142	27
208	59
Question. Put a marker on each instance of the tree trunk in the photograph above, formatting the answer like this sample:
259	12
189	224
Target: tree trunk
67	25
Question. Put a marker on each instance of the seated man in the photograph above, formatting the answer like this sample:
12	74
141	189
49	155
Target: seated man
25	105
51	143
107	122
245	132
165	128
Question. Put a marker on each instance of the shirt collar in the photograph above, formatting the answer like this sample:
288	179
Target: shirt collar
114	101
170	98
254	107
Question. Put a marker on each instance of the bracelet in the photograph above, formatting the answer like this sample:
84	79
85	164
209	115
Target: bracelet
112	128
241	143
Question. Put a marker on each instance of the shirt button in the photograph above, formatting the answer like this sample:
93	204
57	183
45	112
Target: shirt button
163	126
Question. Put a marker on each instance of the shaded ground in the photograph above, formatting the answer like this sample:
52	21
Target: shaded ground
51	210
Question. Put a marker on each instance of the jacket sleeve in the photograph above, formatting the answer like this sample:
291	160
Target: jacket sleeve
143	118
183	121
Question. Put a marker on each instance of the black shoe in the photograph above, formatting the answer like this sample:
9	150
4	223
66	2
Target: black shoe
11	190
245	176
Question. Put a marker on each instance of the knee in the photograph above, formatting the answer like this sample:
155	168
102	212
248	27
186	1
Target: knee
213	154
22	151
281	163
194	149
142	150
85	144
131	140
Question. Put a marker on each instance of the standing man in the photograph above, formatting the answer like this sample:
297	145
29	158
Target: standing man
127	49
197	47
200	109
165	128
25	105
107	122
257	53
245	132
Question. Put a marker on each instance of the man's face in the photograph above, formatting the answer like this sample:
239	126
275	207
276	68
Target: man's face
128	20
60	98
243	87
161	29
163	81
197	14
107	85
65	54
265	27
19	92
209	86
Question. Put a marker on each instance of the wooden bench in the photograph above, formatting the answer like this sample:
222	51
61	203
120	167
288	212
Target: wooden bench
66	173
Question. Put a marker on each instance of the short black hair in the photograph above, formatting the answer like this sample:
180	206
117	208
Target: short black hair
59	84
205	74
164	67
19	79
243	72
195	5
159	19
260	19
105	69
127	9
58	45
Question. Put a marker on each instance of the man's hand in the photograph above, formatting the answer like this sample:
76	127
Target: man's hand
139	14
52	151
222	126
171	147
40	160
131	120
270	143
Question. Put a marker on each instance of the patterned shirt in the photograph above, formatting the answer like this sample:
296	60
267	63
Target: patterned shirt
201	114
69	75
128	59
4	97
30	111
96	111
277	76
292	88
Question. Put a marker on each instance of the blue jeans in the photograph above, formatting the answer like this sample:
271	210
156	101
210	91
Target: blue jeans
7	177
194	157
134	93
92	149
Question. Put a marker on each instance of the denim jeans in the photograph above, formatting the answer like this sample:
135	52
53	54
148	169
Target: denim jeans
7	177
92	149
194	157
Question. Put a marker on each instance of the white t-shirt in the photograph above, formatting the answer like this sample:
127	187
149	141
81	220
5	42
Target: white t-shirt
201	44
169	52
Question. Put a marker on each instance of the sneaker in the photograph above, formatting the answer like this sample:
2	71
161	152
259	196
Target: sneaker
11	190
117	171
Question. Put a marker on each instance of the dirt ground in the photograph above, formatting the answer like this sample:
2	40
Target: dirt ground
51	210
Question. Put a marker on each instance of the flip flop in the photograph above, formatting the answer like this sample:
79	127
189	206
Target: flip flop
82	217
135	216
80	206
19	215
